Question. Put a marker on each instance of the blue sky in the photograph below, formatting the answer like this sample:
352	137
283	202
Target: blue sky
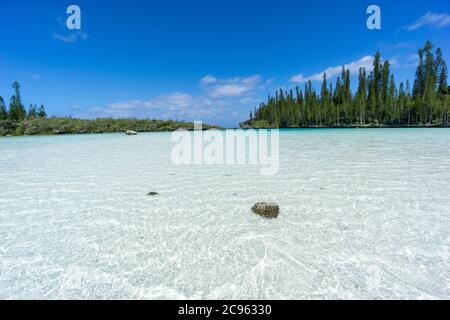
198	60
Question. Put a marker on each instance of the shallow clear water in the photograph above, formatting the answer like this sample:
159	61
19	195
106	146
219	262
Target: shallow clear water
364	214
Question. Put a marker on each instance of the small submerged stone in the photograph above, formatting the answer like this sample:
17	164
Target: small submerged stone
266	210
152	193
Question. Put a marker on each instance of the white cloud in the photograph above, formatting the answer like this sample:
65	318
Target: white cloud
431	19
176	105
229	90
404	61
216	102
233	87
413	57
208	79
173	101
364	62
248	100
71	37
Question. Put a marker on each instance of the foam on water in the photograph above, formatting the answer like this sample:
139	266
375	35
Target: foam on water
364	214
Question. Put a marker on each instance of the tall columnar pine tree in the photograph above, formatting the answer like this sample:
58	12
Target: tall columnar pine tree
429	96
361	96
16	109
3	111
383	108
442	73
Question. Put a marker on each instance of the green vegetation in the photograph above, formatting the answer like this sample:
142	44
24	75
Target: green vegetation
17	121
49	126
376	102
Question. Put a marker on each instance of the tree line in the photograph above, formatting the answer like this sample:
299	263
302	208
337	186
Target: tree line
378	101
16	111
15	120
67	125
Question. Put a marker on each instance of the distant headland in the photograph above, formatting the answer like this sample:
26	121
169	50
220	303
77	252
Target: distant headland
17	121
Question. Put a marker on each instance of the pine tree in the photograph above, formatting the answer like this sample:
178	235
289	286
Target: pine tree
408	101
442	73
393	112
361	95
347	97
324	98
3	111
16	110
429	96
385	77
401	102
377	76
337	98
41	112
419	79
32	112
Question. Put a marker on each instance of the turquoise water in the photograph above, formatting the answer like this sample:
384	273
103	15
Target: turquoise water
364	214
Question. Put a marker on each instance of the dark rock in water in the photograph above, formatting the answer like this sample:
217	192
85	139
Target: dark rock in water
152	193
266	210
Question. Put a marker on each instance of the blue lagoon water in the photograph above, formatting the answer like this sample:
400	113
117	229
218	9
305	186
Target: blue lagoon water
364	214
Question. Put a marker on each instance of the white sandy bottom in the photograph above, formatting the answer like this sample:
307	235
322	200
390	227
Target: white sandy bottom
364	214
